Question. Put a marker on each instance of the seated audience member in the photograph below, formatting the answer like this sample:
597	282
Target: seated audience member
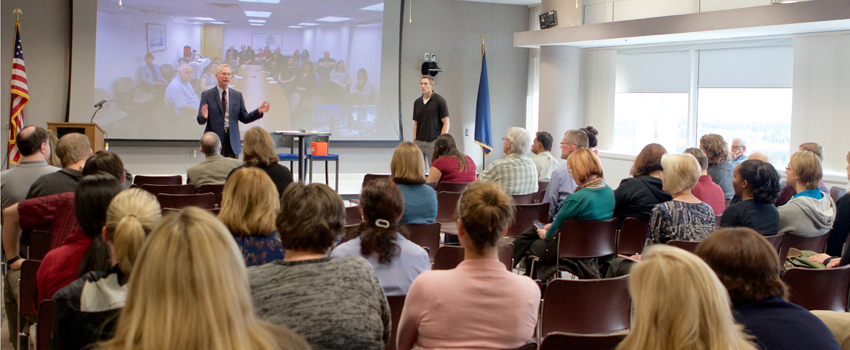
82	321
759	156
247	56
305	56
231	60
420	200
789	191
302	88
757	184
249	205
258	151
263	55
811	212
679	303
397	261
287	73
181	94
543	159
515	174
738	152
32	142
339	81
208	79
717	151
592	200
685	217
747	264
189	291
591	137
151	76
325	65
361	92
53	141
638	195
838	323
215	168
478	304
838	234
335	303
561	184
450	165
60	266
73	150
706	190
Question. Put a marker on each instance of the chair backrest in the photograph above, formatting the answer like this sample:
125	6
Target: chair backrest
29	291
506	255
717	220
836	192
448	257
632	236
686	245
427	235
167	71
540	196
570	341
542	185
396	303
586	306
178	201
216	189
775	241
588	239
524	198
169	108
140	180
452	186
352	215
432	184
529	346
819	289
350	233
446	205
372	177
170	189
46	315
526	214
40	242
817	244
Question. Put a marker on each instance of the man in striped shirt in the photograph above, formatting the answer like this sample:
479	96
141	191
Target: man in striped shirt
516	174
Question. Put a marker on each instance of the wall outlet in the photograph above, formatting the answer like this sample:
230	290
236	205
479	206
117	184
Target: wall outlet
427	57
467	132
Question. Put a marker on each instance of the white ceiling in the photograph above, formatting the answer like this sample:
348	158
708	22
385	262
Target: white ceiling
286	13
509	2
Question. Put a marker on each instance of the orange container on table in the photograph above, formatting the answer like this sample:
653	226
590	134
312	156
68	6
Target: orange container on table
319	149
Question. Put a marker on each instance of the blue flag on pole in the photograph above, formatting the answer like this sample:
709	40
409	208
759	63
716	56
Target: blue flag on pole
483	136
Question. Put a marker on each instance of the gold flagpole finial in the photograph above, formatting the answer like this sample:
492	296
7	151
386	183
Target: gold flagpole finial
17	13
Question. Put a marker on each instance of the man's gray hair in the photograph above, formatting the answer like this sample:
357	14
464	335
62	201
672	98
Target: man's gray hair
520	140
210	143
220	66
741	141
183	66
576	137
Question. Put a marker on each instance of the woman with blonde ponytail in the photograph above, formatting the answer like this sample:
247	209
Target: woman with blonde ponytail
86	309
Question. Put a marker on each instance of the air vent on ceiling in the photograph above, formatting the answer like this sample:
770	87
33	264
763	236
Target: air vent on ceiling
222	6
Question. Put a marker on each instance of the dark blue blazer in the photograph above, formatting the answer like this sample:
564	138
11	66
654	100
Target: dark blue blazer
236	107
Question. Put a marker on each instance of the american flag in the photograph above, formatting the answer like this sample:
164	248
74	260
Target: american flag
20	96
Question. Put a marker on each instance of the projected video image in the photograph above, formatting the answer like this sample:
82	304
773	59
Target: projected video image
319	68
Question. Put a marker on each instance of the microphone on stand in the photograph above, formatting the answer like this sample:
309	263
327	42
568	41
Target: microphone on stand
101	102
98	105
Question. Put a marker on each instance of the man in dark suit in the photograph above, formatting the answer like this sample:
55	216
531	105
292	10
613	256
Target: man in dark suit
224	118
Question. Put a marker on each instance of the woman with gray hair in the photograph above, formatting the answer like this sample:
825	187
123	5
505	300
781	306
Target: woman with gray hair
516	174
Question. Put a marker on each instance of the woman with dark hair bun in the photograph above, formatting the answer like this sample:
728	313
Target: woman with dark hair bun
397	261
591	137
757	183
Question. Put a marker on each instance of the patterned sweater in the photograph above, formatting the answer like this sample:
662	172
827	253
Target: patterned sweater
334	303
674	220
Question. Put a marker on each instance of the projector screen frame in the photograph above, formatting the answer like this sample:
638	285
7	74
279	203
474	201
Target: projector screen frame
82	76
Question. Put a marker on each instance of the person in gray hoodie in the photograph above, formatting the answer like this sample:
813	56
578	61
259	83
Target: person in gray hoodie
810	213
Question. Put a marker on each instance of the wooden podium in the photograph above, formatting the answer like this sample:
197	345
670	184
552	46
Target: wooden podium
91	130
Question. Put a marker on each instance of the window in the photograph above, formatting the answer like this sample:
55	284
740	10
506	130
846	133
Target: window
644	118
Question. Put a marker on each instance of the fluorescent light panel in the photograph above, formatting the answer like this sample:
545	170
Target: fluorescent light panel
296	27
218	23
263	14
334	19
307	24
257	24
257	20
262	1
375	7
205	18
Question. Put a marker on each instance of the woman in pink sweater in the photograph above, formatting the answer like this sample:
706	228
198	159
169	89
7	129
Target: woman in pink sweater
479	304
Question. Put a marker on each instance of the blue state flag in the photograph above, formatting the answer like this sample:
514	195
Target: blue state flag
483	135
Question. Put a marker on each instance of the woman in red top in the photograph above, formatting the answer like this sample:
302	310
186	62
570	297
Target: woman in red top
450	165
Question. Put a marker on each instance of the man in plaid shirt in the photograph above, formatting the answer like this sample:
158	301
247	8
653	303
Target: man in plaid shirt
516	174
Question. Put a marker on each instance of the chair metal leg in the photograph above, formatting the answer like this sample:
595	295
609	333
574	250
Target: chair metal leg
327	177
310	169
336	186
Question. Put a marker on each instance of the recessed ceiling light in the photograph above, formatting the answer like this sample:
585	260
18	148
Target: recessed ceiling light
307	24
257	20
218	23
262	1
296	27
205	18
375	7
264	14
256	24
334	19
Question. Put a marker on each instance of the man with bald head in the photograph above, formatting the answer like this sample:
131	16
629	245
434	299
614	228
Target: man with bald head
35	150
73	150
215	168
181	94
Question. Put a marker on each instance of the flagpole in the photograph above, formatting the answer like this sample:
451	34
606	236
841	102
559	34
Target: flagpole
483	154
6	161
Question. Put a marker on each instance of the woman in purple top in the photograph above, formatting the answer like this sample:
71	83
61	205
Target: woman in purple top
249	205
450	165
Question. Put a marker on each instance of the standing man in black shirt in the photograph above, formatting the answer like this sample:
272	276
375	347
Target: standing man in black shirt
430	118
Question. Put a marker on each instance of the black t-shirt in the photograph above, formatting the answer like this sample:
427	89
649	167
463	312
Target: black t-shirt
636	196
764	218
429	117
280	175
